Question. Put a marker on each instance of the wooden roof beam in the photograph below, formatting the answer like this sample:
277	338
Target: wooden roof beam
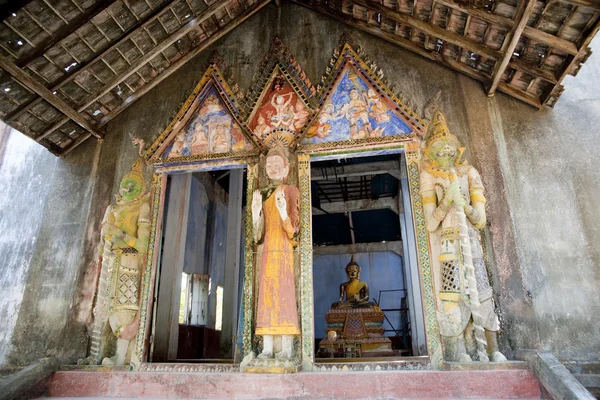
183	60
530	32
181	32
574	59
12	7
524	10
173	67
440	33
73	72
399	41
47	95
65	31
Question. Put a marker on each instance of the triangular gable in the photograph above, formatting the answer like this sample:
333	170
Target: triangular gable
283	98
208	123
355	104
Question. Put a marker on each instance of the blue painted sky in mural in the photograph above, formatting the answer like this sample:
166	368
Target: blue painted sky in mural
355	111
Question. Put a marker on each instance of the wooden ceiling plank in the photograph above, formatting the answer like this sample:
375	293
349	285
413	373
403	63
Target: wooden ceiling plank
525	97
83	67
75	144
399	41
176	16
22	36
443	34
479	13
586	3
115	20
582	50
524	10
9	51
54	127
65	31
79	35
12	7
55	11
184	30
551	40
536	71
47	95
183	60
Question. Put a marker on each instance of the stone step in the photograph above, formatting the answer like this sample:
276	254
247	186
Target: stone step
503	384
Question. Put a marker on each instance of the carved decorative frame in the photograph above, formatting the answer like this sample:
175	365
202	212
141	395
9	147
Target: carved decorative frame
280	57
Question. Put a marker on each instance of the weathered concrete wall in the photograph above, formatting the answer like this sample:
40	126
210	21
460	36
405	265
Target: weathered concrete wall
22	202
542	190
43	220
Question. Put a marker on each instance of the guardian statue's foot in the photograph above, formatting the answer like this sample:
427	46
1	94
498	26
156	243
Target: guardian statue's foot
264	356
464	358
109	361
497	357
283	355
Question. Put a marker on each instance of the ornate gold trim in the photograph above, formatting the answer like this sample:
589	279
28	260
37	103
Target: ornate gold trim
212	76
149	270
306	273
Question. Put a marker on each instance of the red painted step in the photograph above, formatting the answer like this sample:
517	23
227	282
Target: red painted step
505	384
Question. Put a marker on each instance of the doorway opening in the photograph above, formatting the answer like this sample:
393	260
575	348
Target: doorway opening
199	280
359	222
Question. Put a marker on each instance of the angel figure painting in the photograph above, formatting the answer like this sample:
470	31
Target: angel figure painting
280	110
354	110
210	130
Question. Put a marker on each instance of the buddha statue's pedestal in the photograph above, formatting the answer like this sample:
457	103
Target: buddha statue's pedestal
356	332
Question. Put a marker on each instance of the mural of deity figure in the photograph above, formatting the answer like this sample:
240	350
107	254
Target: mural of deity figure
355	110
211	130
454	207
124	241
357	113
275	217
284	114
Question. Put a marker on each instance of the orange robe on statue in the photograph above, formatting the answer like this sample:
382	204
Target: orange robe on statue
277	312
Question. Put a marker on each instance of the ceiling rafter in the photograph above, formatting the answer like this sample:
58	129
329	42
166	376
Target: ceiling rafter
184	30
524	10
485	50
47	95
63	86
65	31
99	56
12	7
178	64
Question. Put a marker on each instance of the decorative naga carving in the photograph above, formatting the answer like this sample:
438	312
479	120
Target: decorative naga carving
454	207
124	242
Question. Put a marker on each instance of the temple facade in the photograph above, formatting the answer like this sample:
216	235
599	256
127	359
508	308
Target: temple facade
199	228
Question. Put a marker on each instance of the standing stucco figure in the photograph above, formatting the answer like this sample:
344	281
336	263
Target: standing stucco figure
454	207
124	242
275	216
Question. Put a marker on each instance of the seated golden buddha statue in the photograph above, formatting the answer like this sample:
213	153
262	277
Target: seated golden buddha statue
355	325
354	293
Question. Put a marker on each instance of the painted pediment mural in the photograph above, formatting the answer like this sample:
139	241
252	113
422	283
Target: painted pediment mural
282	98
281	113
207	125
352	104
355	110
211	129
357	105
